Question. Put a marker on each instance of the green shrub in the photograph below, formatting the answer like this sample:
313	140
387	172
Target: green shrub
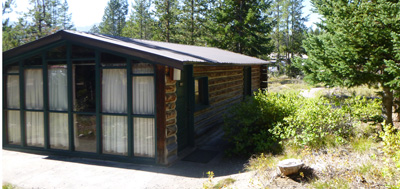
314	123
247	124
260	122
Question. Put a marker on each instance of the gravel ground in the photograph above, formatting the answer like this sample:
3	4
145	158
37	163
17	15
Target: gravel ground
39	171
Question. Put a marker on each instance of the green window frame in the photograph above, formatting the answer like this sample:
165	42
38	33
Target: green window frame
201	95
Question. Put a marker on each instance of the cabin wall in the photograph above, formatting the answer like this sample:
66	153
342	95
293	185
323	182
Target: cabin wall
171	128
225	85
255	77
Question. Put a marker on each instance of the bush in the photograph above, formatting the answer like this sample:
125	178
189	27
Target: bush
260	122
247	124
314	124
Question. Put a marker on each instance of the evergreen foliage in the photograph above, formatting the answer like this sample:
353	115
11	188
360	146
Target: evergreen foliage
241	26
114	18
167	13
140	23
358	46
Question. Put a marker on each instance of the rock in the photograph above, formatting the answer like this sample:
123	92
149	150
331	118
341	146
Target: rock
290	166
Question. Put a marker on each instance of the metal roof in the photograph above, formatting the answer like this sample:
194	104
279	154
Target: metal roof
170	54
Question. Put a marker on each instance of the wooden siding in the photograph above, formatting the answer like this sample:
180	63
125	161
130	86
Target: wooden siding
225	85
171	147
255	77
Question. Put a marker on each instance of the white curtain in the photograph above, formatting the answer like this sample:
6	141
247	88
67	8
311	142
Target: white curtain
14	127
34	129
114	91
143	94
114	100
58	100
115	135
34	101
144	139
142	68
58	91
58	123
13	92
34	89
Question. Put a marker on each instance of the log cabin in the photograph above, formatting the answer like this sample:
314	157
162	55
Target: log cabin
98	96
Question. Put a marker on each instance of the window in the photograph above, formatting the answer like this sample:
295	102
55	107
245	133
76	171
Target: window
34	101
84	106
201	92
13	105
58	105
114	100
143	102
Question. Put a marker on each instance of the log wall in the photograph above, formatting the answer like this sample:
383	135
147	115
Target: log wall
171	143
255	77
225	85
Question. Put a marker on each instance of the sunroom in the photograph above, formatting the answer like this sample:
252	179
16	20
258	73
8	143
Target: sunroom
97	96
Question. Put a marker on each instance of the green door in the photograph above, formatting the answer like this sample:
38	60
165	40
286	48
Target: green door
185	108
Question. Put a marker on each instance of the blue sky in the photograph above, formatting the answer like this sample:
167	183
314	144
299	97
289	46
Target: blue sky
85	13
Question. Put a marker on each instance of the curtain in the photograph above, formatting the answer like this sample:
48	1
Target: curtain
58	91
115	135
13	92
58	100
58	123
143	94
34	89
114	91
142	68
114	100
34	129
34	101
14	127
144	139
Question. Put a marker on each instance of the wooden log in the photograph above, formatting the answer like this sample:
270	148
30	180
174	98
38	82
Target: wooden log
170	97
161	120
171	114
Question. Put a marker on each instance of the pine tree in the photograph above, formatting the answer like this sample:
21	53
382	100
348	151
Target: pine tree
167	12
357	46
193	22
140	23
242	26
114	18
64	20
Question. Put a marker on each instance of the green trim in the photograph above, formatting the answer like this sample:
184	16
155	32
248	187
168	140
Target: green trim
190	102
22	101
130	107
155	112
45	103
98	104
203	92
5	117
34	52
246	81
144	75
70	100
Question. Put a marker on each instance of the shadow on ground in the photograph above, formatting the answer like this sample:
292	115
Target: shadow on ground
219	164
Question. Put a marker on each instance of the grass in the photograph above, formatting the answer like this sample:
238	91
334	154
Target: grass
224	183
9	186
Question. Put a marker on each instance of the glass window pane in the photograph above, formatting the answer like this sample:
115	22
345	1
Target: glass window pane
33	61
34	89
57	53
84	88
82	52
58	126
14	127
196	91
144	137
13	69
85	133
112	60
114	91
58	93
143	94
142	68
115	135
34	129
13	92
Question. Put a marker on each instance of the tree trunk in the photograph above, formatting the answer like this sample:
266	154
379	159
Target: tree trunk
387	105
